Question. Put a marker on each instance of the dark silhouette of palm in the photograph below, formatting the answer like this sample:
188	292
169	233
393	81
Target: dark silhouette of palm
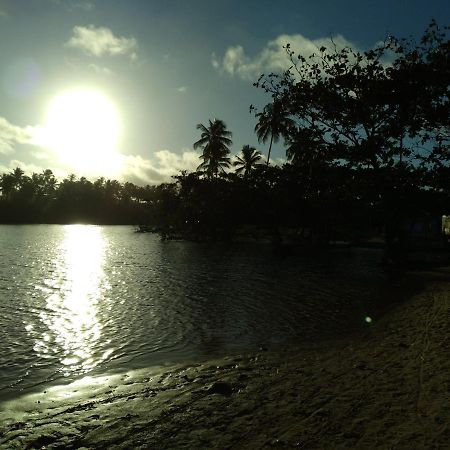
7	184
214	142
18	174
272	123
247	160
12	182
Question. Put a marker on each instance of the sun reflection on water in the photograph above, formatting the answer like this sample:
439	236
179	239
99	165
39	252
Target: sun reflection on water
76	288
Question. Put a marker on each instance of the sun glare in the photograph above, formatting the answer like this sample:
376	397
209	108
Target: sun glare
83	129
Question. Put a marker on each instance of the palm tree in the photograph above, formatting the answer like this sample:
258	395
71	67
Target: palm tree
12	182
272	122
247	160
18	176
214	141
44	183
7	184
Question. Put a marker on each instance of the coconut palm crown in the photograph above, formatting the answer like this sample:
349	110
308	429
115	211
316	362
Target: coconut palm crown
247	160
273	121
214	142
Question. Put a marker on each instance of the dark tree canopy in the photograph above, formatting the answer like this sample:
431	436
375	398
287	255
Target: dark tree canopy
273	122
247	160
379	108
381	114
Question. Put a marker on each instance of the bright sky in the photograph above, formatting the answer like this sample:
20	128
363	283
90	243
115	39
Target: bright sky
126	81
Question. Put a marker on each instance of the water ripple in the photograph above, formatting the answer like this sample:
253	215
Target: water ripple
78	299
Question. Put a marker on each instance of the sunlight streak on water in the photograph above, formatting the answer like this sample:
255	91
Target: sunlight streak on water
71	313
89	300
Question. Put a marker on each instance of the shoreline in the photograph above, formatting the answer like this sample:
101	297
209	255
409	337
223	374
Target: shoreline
386	389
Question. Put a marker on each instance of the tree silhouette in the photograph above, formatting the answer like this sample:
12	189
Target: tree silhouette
44	183
12	182
273	122
214	142
247	160
7	184
379	120
18	174
306	149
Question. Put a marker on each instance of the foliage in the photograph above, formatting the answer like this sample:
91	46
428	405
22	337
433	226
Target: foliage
247	160
381	113
362	109
273	122
214	142
40	198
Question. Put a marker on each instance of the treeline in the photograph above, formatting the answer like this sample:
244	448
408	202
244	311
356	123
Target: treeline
289	201
41	198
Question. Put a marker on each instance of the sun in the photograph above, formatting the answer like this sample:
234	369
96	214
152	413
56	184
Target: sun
83	129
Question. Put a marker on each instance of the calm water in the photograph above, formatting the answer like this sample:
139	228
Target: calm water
85	299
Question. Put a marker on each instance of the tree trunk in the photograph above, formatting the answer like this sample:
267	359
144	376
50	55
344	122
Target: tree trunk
401	147
270	149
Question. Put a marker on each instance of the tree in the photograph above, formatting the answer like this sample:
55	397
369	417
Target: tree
273	122
364	111
247	160
422	77
18	174
7	184
12	182
214	142
377	112
306	150
44	183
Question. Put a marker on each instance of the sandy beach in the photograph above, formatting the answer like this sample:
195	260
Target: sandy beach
386	389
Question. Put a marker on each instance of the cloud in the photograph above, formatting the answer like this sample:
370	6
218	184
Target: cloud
273	57
10	135
86	5
160	168
100	70
135	168
3	13
102	42
26	167
182	89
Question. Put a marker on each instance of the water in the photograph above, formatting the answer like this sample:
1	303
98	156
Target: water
77	300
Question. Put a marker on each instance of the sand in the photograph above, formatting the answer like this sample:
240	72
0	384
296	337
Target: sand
387	389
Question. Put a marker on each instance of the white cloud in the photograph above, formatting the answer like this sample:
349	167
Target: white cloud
83	4
160	168
278	161
87	5
26	167
273	57
135	168
215	62
10	135
100	69
182	89
42	154
102	42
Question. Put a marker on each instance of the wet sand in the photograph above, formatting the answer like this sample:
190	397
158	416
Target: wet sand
389	388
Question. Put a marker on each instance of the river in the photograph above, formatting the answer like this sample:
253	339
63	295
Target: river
80	299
